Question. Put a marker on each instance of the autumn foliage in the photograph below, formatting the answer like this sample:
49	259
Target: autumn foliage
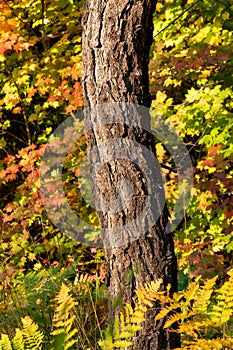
192	88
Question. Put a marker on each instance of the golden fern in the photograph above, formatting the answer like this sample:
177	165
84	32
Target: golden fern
33	338
129	321
64	333
18	341
64	318
83	278
199	311
203	296
223	310
191	302
208	344
28	338
5	343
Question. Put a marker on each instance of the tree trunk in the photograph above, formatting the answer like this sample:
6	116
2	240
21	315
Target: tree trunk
117	36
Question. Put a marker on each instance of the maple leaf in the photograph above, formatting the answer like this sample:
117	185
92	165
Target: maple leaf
212	152
13	168
17	110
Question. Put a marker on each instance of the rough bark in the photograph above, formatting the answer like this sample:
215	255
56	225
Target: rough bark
116	40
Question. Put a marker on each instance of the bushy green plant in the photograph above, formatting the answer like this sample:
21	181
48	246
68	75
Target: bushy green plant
50	297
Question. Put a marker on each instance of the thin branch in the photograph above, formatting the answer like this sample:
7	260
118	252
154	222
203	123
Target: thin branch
58	35
14	136
176	19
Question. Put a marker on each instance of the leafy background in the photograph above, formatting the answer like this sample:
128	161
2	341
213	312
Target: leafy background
191	86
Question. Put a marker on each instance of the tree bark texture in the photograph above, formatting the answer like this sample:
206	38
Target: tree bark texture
117	35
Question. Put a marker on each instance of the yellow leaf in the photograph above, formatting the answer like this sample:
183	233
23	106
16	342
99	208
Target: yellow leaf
2	58
160	97
225	15
160	152
31	256
159	5
168	81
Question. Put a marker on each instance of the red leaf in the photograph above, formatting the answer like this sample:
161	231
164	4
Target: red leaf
212	152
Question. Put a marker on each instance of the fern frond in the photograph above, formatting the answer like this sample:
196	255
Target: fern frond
116	328
69	343
193	328
192	310
203	295
30	337
209	344
166	310
82	281
188	328
64	317
130	320
107	342
122	344
149	292
172	319
190	293
153	286
18	341
33	338
223	310
83	278
5	343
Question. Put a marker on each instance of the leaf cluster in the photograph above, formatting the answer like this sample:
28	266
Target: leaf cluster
192	88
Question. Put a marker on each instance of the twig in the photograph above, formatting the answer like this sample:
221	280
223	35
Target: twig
176	19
